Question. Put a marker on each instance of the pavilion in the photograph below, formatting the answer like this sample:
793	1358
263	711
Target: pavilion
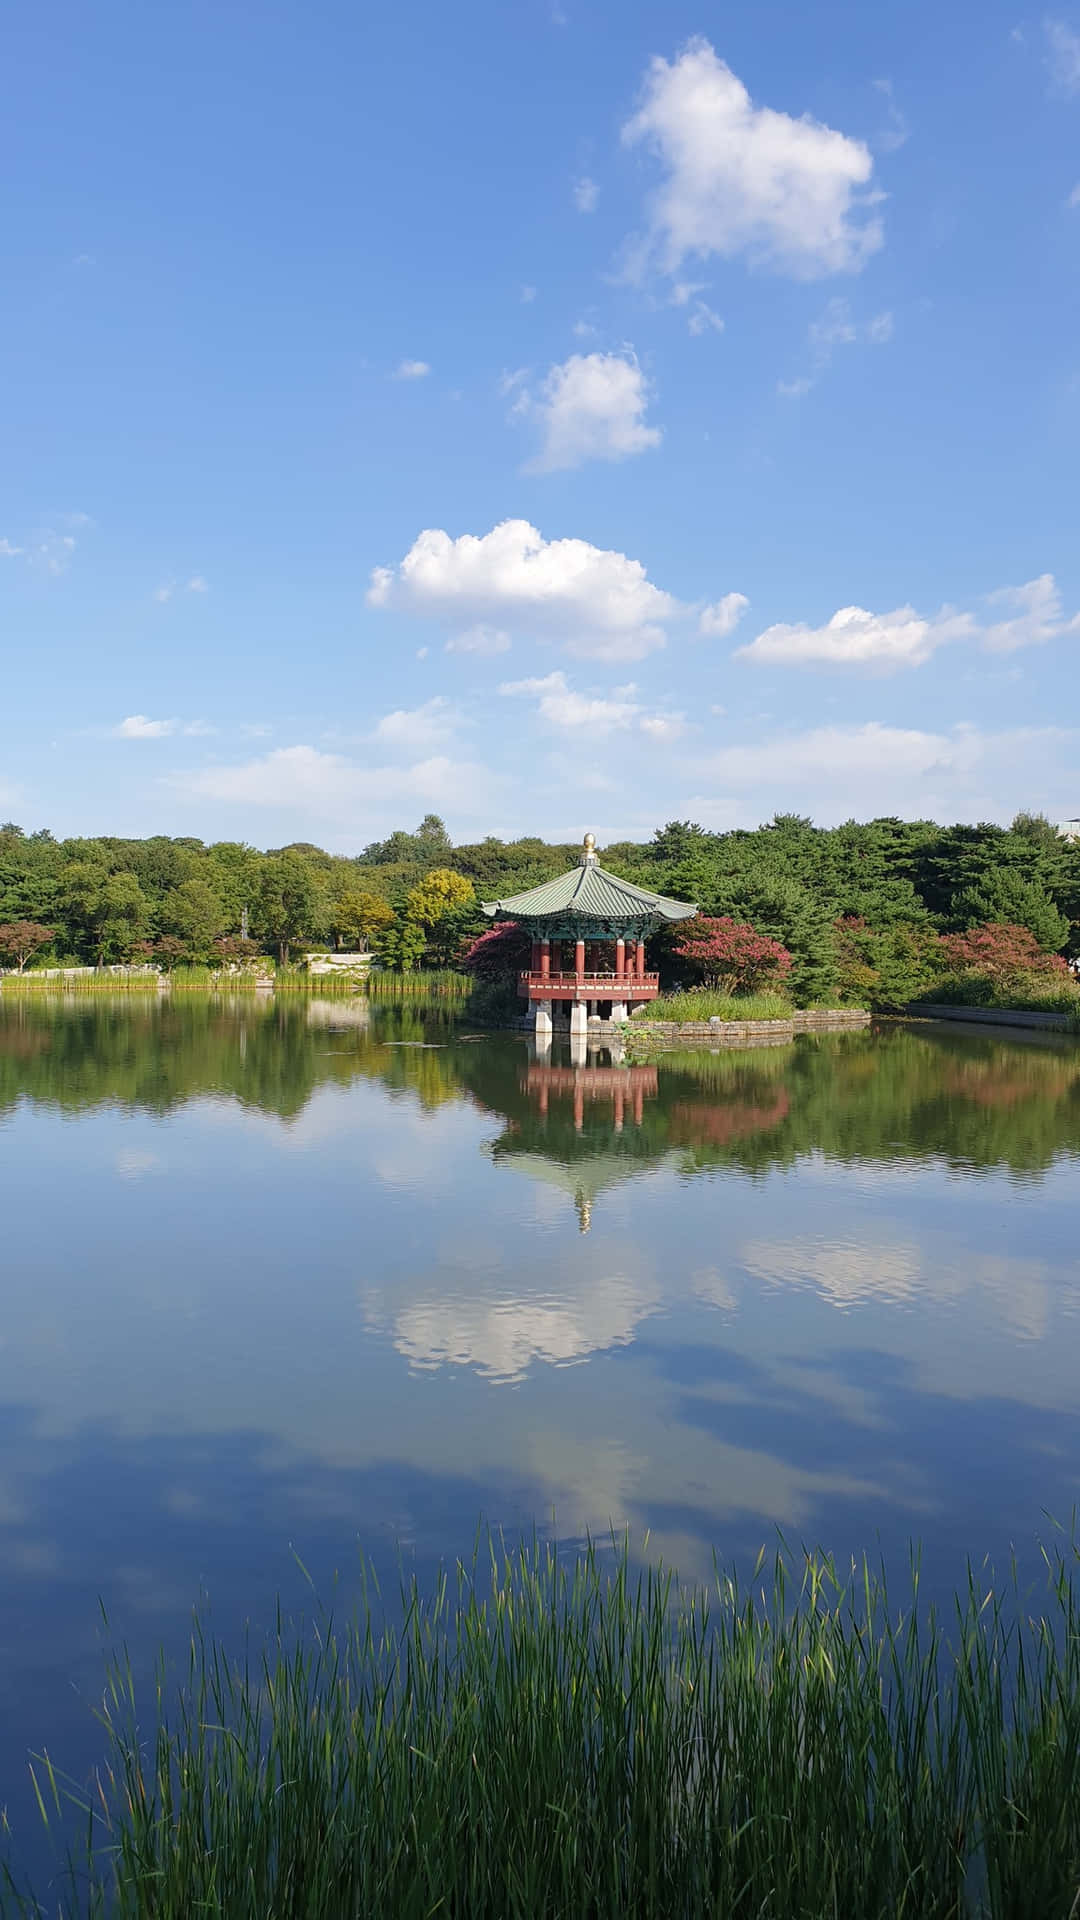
600	921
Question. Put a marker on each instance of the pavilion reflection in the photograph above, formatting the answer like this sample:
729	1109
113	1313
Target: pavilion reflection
584	1121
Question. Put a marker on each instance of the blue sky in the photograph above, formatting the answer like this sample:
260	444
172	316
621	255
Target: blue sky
552	414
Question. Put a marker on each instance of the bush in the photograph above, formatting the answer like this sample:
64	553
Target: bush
731	956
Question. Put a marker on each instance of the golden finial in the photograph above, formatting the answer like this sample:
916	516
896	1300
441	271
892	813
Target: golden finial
590	843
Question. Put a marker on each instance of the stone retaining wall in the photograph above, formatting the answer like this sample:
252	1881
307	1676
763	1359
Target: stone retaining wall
994	1016
751	1032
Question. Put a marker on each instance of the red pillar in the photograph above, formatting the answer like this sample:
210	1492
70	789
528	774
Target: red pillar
545	959
534	963
579	1106
579	960
639	1105
641	959
620	959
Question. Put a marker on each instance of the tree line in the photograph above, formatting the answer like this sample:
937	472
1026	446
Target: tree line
860	908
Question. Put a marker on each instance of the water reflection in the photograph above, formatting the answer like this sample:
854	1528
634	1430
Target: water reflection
827	1284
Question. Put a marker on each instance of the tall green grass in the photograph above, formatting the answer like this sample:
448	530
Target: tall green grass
435	983
92	980
701	1003
549	1737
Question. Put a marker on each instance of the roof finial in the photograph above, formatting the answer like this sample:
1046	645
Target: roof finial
588	856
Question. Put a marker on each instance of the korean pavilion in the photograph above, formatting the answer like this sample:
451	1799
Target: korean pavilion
588	931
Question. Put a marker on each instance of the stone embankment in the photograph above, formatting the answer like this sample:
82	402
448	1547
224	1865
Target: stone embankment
995	1016
745	1033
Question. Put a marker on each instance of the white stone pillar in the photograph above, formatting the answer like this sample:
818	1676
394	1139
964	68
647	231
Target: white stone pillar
579	1048
540	1015
619	1013
579	1019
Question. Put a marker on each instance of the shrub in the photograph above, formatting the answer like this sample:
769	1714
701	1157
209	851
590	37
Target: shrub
1000	950
731	956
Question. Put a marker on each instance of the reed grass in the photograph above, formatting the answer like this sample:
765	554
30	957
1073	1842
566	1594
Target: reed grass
552	1737
701	1003
435	983
82	980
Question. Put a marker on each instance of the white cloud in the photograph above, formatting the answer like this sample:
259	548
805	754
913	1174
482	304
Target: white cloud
853	637
9	552
704	319
480	639
1063	55
327	786
599	603
591	407
717	621
837	327
560	706
586	195
1072	201
138	727
837	772
51	549
195	585
789	194
834	328
1036	616
896	130
418	727
411	370
527	296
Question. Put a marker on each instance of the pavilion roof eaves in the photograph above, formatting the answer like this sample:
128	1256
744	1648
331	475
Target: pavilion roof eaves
591	893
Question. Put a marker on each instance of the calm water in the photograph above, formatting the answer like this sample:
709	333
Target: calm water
284	1279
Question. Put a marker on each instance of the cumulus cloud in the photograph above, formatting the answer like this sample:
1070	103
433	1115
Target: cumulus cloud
411	370
717	621
586	195
855	637
597	602
561	706
137	726
418	727
480	639
789	194
1063	55
591	407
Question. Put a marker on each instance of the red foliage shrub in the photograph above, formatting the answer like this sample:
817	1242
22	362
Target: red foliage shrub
504	949
999	951
732	956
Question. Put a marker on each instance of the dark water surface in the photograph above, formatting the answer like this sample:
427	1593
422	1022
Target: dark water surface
293	1277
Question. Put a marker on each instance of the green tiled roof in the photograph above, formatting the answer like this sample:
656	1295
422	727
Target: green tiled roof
595	895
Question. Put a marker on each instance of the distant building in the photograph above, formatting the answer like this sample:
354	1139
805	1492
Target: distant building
1069	829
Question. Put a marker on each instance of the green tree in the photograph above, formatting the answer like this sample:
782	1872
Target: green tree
289	903
122	917
357	917
194	913
1004	897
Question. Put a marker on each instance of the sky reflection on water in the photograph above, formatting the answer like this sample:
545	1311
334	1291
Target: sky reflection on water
289	1276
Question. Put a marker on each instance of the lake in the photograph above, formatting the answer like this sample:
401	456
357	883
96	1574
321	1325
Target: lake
286	1280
